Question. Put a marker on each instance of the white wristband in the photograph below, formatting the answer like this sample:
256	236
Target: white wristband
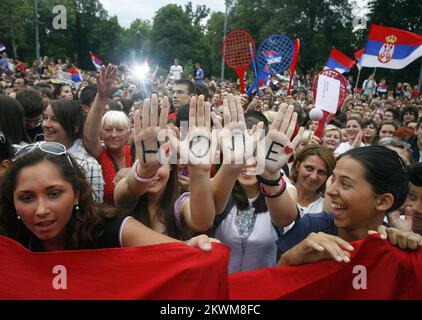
139	178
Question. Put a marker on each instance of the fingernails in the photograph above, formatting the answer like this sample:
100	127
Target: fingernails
206	246
383	236
346	259
339	259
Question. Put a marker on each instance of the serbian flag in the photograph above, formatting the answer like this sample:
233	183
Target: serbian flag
2	47
377	270
358	56
339	61
167	271
76	75
391	48
96	61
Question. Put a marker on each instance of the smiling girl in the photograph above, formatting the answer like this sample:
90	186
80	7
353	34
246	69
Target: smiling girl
47	205
366	184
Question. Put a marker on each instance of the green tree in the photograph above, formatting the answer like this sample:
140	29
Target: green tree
14	22
319	26
175	36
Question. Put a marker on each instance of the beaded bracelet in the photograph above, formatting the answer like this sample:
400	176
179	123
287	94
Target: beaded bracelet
272	183
275	194
139	178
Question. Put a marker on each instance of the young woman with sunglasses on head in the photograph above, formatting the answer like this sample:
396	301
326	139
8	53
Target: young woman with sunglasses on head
47	205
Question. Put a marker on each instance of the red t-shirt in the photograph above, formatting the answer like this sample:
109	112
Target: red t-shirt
109	172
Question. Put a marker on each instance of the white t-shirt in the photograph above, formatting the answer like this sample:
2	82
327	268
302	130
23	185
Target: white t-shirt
315	207
344	147
176	72
260	250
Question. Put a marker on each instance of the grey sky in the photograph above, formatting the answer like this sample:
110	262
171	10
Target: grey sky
128	10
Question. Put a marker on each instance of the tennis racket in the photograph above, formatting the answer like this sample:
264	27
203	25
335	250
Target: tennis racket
238	50
274	56
294	63
331	73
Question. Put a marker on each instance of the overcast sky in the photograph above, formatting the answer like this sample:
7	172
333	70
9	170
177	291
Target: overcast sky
128	10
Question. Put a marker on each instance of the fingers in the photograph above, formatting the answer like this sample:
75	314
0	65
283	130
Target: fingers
145	113
287	119
279	117
298	138
382	230
292	126
239	109
232	108
202	242
200	112
216	121
226	112
165	107
404	239
192	113
334	246
153	114
137	121
207	118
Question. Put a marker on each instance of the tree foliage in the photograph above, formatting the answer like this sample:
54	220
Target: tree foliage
195	34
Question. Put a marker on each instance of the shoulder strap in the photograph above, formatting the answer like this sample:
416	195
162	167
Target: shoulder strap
219	218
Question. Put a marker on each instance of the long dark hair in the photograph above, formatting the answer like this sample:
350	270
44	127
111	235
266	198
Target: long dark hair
242	203
69	114
12	120
165	210
82	229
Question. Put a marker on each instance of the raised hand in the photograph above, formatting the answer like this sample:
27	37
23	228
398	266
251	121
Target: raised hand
396	221
146	130
106	85
278	148
236	144
197	149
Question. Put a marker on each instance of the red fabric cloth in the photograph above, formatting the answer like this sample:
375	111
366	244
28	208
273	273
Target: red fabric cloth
391	274
109	173
167	271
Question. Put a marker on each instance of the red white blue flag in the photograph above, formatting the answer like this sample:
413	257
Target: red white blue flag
391	48
358	56
339	61
96	61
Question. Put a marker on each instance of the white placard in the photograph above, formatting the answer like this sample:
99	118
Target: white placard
328	94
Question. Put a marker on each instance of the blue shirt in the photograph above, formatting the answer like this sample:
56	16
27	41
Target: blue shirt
318	222
199	76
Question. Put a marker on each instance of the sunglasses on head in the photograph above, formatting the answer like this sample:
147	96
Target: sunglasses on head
53	148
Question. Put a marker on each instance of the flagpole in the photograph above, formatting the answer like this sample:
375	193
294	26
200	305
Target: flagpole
375	70
357	81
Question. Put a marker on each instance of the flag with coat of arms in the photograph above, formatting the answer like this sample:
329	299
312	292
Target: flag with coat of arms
391	48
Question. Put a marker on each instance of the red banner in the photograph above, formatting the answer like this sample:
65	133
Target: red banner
377	270
160	272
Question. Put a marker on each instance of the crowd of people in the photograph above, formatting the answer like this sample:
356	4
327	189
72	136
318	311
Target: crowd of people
83	164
